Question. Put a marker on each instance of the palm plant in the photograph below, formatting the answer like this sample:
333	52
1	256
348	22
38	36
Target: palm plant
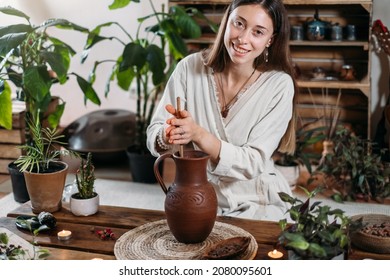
44	149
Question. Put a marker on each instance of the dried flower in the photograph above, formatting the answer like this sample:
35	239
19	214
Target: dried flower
105	234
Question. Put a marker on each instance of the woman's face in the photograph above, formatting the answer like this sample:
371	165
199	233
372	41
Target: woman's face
249	30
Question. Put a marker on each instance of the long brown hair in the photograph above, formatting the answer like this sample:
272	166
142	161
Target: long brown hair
279	57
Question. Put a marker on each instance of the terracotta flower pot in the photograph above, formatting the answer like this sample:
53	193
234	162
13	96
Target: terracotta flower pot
45	189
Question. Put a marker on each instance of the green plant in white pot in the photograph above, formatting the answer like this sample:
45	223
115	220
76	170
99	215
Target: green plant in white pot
43	169
85	201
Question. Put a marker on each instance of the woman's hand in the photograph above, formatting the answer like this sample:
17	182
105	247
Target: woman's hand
182	127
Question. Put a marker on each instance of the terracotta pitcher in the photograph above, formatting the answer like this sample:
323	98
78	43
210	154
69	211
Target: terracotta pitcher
190	202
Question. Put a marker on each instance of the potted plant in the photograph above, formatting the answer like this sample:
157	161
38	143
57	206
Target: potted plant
353	170
143	65
85	202
43	170
33	61
316	232
11	248
304	155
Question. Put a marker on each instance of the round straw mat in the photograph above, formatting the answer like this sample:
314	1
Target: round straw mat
154	241
369	242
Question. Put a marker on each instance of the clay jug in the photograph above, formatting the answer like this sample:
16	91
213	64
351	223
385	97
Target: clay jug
190	202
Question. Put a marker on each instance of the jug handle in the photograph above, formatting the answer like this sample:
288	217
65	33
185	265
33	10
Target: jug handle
157	172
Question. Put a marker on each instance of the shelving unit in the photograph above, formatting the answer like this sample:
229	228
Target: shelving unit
319	98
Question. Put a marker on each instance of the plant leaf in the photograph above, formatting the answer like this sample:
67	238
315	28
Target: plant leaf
5	105
37	80
59	61
54	118
11	41
117	4
317	250
133	55
300	245
89	92
14	12
156	60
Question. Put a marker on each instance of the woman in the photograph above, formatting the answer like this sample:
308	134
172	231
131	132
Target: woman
239	108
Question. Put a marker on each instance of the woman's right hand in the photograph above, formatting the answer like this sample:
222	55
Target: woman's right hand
182	129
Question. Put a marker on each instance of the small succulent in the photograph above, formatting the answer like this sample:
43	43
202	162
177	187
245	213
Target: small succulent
85	178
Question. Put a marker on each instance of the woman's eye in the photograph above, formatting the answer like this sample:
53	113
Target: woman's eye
258	32
238	23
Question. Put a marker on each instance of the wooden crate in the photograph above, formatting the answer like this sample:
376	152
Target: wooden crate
10	139
4	165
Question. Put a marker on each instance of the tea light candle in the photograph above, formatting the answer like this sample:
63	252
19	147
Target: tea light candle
64	235
275	254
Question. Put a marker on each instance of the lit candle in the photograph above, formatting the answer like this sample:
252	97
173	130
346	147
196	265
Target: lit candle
64	235
275	254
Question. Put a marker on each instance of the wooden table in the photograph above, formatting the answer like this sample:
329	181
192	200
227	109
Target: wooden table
85	243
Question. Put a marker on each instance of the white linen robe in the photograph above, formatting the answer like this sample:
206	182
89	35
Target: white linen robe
245	179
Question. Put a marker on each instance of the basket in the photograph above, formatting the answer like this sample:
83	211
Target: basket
369	242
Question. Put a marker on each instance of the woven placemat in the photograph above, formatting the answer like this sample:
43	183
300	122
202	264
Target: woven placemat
154	241
370	242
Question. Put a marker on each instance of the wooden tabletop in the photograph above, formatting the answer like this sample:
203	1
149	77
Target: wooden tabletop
86	244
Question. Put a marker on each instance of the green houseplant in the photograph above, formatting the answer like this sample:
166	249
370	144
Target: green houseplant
352	169
32	60
85	201
43	170
305	138
146	62
317	232
290	164
10	251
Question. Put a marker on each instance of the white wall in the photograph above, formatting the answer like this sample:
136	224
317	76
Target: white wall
90	13
87	13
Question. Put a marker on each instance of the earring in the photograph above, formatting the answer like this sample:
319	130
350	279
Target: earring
266	54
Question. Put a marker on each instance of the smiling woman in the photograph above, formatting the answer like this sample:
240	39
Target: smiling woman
246	75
